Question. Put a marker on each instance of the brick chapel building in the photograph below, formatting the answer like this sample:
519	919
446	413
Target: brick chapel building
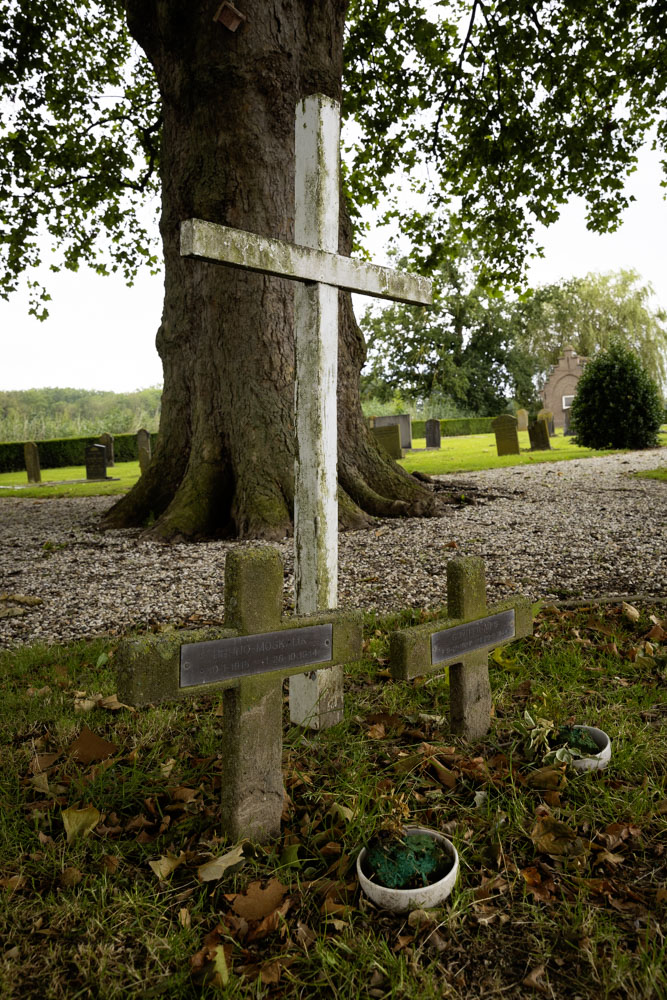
561	385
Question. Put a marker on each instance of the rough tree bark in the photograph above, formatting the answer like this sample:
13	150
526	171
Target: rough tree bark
224	462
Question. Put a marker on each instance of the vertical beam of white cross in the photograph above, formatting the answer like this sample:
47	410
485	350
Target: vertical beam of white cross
313	261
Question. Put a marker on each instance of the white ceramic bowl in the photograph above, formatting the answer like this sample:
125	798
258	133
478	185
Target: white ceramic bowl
400	900
598	761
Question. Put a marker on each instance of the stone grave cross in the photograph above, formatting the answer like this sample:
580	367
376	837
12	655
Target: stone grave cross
320	271
247	660
463	642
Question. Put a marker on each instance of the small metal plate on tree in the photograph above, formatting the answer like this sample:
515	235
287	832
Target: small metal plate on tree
246	655
484	633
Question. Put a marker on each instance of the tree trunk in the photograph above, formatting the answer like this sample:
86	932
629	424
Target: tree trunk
224	461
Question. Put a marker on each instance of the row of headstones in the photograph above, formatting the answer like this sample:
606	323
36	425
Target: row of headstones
506	428
394	433
257	648
98	457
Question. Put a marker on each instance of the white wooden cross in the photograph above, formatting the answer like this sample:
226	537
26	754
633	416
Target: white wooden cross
314	263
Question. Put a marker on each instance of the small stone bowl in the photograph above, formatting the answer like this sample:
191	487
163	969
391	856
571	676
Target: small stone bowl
401	900
598	761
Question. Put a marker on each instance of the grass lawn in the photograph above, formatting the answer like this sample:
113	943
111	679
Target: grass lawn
457	454
123	912
478	451
126	473
660	474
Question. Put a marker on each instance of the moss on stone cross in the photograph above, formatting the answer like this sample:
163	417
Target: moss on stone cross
151	670
462	642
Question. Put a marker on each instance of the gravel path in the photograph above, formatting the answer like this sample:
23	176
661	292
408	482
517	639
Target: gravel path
565	529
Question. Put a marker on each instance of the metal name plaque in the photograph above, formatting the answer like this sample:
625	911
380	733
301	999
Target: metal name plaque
454	642
245	655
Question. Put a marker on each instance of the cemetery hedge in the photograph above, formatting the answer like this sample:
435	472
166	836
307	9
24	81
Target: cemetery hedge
63	452
456	426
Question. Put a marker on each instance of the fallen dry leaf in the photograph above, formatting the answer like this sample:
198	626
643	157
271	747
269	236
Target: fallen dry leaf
184	918
540	889
43	761
110	864
213	870
340	812
616	833
269	924
421	920
630	612
609	858
534	979
257	902
446	777
167	864
80	822
40	783
38	692
111	704
377	731
13	882
305	936
550	778
69	877
270	973
88	747
183	794
86	703
555	838
210	965
167	767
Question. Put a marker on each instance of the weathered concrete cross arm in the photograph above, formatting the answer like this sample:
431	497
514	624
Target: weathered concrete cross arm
238	248
169	667
426	648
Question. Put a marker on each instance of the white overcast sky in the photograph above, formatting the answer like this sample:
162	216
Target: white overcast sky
101	335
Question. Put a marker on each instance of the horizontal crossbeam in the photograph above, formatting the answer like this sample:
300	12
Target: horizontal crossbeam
238	248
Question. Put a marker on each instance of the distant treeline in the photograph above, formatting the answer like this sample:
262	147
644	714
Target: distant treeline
43	414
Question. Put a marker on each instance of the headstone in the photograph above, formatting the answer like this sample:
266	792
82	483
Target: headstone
522	420
549	417
404	421
96	461
567	421
31	456
107	441
539	435
463	642
246	660
432	433
507	437
314	262
144	449
389	438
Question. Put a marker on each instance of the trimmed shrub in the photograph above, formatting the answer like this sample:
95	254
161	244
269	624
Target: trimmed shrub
617	404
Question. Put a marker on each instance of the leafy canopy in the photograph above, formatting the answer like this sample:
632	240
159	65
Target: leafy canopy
590	313
506	108
463	351
478	348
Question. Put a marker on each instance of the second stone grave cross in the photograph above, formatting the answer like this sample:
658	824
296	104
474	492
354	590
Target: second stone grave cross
463	642
247	660
320	271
